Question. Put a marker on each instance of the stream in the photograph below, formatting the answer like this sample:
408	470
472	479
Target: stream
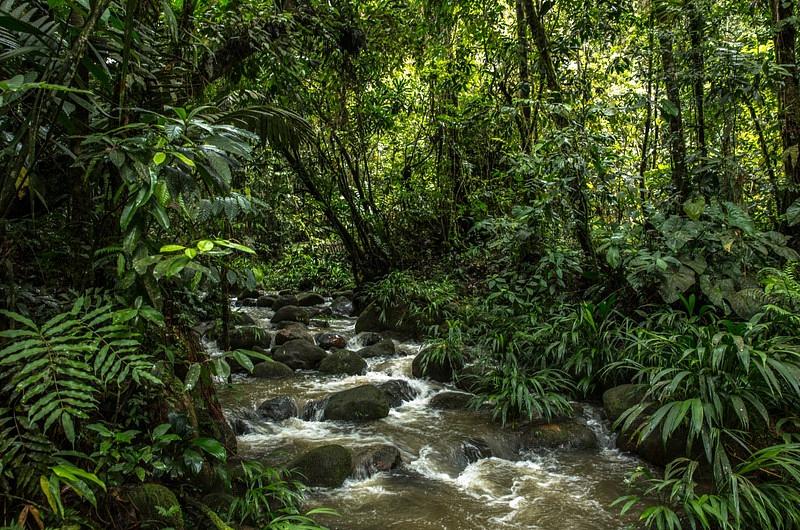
459	471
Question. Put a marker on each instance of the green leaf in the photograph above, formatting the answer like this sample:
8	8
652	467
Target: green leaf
159	158
205	245
212	447
192	376
171	248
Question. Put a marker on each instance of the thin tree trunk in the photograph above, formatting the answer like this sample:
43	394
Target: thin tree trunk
765	153
524	77
677	141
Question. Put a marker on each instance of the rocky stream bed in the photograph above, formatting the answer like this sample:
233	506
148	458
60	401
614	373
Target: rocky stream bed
388	446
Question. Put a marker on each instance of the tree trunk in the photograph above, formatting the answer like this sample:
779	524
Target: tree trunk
524	77
677	141
783	12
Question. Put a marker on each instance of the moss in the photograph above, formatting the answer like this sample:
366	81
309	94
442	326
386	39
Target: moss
327	466
156	506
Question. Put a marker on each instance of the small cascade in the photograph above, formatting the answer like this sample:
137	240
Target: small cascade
421	467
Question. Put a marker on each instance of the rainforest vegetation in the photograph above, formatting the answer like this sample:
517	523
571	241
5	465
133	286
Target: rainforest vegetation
567	201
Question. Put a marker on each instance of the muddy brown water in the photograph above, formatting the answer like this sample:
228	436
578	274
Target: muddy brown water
437	486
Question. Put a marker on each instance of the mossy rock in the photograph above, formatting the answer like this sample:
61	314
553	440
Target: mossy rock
272	370
384	348
291	313
362	403
620	398
149	500
327	466
451	400
438	370
396	318
343	362
569	434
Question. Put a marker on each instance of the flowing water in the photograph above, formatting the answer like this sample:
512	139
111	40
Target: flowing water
443	482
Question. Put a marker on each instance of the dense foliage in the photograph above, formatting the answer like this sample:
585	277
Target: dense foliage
566	196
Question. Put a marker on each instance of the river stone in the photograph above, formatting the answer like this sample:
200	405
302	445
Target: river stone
292	331
367	338
249	293
328	341
247	337
396	319
620	398
441	371
451	400
283	301
150	500
342	306
384	348
327	466
374	459
272	370
240	318
309	299
241	426
299	354
248	302
314	409
343	362
568	434
278	409
397	391
474	449
291	313
362	403
265	301
469	378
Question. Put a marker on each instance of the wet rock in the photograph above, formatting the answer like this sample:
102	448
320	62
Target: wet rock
347	293
328	341
299	354
384	348
249	293
469	377
437	370
374	459
342	306
150	501
241	426
278	409
248	337
343	362
652	448
265	301
240	318
248	302
395	318
309	299
474	449
367	338
397	391
291	313
362	403
292	331
620	398
286	292
451	400
283	301
272	370
314	409
568	434
327	466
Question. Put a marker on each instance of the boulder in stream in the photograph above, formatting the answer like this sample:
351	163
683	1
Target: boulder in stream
309	299
248	337
367	338
240	318
291	313
265	301
620	398
292	331
437	370
397	391
278	409
374	459
343	362
327	466
362	403
328	341
283	300
342	306
272	370
299	354
451	400
474	449
384	348
568	434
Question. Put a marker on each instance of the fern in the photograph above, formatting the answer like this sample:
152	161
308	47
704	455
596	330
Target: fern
56	372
